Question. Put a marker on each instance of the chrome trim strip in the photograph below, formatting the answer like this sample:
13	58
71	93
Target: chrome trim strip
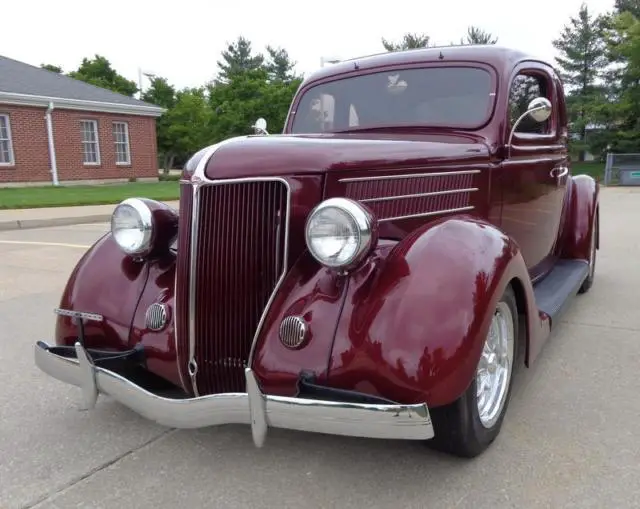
92	317
192	365
200	179
426	214
418	195
393	421
175	330
409	176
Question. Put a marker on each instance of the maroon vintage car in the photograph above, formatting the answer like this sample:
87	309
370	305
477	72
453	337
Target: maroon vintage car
378	270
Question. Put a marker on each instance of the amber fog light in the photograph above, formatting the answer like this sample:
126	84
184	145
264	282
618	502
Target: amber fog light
340	233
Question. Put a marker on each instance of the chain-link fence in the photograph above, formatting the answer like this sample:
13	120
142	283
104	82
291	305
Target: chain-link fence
622	170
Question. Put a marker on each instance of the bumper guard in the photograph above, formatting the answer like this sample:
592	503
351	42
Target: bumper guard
407	422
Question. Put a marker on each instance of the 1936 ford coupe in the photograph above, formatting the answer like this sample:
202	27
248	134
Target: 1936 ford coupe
380	269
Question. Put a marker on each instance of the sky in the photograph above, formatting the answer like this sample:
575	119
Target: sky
182	40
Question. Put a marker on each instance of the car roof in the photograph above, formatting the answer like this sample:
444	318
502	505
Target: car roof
498	56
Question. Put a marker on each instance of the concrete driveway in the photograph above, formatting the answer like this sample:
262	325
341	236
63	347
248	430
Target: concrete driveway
569	439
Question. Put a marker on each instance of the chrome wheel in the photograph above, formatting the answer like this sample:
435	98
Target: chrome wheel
496	364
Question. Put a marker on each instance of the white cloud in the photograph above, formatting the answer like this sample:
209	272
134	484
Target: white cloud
183	40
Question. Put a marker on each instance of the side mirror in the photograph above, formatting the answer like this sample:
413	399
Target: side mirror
260	127
539	109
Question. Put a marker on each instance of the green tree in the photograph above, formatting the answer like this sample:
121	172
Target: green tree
236	59
623	42
476	35
98	71
52	68
161	93
409	41
190	122
236	105
279	65
631	6
582	61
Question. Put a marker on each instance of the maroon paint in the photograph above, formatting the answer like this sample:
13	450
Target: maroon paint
414	314
107	282
412	330
580	218
316	294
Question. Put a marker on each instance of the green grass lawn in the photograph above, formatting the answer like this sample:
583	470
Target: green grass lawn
595	169
103	194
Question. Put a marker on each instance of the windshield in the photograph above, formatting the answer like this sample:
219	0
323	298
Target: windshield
458	97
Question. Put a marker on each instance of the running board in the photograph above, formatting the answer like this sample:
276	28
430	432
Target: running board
560	286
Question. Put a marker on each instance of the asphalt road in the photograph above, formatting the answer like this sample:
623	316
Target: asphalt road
570	438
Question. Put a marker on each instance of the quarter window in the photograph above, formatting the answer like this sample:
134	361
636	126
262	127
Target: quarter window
6	143
90	144
121	140
524	89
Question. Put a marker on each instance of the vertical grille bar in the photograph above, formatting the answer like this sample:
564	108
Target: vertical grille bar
240	256
182	281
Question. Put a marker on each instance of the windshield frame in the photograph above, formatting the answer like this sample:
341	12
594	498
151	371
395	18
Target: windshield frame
312	84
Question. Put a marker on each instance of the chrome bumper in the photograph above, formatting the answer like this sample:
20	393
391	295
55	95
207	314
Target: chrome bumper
408	422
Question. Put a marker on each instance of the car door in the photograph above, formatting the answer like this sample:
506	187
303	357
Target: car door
535	170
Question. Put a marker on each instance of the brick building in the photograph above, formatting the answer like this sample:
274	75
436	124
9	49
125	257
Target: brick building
55	128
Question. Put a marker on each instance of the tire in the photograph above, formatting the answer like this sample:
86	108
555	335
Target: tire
588	282
461	428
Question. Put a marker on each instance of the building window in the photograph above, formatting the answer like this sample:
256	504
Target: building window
90	145
6	144
121	140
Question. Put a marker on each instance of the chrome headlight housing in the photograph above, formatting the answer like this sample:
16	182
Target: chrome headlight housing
132	226
340	233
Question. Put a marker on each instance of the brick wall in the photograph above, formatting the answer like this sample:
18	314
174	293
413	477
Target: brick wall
31	150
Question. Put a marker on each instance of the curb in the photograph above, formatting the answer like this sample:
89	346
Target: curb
24	224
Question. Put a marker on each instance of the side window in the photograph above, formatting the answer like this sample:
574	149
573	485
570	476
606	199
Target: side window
526	87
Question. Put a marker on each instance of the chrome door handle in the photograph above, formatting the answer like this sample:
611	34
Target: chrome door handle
559	172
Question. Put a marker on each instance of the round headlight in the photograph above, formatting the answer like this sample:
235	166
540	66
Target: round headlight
340	232
132	226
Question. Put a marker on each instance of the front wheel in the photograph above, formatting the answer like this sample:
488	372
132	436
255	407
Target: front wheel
470	424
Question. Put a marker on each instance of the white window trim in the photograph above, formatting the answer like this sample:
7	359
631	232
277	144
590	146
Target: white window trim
128	142
98	159
12	160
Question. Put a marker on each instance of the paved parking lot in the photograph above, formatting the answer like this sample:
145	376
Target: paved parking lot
570	438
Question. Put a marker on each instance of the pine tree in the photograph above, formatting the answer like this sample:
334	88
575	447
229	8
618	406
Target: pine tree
582	60
238	58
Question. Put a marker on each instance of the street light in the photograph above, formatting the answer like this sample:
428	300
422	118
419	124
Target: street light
329	60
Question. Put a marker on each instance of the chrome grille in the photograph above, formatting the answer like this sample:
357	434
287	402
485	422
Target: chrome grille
239	257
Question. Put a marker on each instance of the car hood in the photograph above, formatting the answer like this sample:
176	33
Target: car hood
282	155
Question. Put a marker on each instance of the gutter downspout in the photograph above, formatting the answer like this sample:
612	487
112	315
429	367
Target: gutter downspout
52	148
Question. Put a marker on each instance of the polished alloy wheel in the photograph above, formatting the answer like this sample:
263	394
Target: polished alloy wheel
496	364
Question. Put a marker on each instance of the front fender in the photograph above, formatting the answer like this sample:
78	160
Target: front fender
107	282
413	330
582	211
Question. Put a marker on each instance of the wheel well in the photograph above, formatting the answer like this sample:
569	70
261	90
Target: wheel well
521	303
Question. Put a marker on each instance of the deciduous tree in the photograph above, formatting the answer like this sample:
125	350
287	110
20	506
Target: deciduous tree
98	71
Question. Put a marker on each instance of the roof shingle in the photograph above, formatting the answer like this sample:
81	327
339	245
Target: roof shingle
20	78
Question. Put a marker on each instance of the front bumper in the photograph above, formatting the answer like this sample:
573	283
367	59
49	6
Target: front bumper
408	422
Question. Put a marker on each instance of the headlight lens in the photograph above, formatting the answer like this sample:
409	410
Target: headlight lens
132	226
339	232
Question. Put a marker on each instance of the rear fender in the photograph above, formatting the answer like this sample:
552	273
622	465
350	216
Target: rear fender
582	211
413	329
